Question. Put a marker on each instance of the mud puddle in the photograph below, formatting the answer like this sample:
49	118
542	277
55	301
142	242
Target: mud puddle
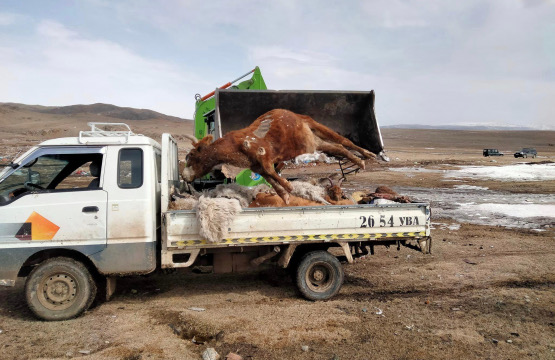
480	206
189	328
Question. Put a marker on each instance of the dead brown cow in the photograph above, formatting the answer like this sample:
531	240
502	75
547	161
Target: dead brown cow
278	135
270	200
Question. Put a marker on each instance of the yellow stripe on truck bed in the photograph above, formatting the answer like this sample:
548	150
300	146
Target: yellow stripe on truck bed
299	238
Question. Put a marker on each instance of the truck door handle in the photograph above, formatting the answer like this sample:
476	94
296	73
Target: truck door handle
90	209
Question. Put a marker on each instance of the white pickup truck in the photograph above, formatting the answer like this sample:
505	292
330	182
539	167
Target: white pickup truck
71	231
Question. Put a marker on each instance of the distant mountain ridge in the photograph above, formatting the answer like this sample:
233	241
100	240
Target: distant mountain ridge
128	113
113	111
456	127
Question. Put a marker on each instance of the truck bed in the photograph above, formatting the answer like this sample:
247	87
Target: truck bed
274	226
252	229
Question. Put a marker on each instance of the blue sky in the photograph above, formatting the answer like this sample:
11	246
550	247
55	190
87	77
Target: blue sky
430	62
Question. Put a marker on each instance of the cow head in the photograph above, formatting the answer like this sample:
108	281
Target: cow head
197	159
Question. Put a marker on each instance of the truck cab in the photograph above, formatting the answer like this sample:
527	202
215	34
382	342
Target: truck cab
93	198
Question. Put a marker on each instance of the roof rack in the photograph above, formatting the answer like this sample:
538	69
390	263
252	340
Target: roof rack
116	136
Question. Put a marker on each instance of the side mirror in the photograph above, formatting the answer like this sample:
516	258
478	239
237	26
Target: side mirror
34	177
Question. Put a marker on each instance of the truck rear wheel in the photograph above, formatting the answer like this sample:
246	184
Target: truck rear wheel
319	275
59	289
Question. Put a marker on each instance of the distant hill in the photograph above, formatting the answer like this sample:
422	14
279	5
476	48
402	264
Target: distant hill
456	127
113	111
23	125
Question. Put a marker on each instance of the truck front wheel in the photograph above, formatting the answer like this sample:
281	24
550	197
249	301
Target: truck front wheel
319	275
59	289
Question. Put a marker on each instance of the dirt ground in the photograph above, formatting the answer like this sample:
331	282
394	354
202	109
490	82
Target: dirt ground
484	292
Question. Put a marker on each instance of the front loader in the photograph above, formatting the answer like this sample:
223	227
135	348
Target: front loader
349	113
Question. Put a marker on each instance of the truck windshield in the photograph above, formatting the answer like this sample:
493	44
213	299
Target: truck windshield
49	172
39	173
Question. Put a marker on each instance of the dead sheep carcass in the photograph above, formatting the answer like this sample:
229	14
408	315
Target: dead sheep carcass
214	215
245	195
216	209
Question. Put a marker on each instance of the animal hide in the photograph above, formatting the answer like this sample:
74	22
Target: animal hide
214	215
183	203
183	199
381	192
245	195
309	191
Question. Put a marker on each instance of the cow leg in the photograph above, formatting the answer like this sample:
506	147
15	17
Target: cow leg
267	166
283	182
269	170
284	187
282	193
328	134
279	166
338	150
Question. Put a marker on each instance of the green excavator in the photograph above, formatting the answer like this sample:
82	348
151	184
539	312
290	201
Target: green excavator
232	107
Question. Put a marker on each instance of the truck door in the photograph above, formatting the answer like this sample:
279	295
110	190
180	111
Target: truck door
132	204
55	198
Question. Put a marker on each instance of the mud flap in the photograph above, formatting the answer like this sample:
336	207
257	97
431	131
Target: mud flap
347	250
110	287
425	245
350	113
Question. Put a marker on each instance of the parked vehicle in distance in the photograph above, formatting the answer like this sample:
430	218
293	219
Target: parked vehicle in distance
492	152
526	152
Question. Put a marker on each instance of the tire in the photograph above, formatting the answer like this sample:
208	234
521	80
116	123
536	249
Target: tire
319	275
59	289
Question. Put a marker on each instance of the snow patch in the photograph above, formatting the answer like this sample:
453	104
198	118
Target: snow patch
415	169
518	172
525	211
516	210
444	226
470	187
454	227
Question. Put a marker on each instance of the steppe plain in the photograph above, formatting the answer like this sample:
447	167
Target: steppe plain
487	291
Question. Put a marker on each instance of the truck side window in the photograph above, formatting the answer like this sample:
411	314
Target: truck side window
130	168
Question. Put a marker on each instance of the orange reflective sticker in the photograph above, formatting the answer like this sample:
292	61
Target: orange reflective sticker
41	228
